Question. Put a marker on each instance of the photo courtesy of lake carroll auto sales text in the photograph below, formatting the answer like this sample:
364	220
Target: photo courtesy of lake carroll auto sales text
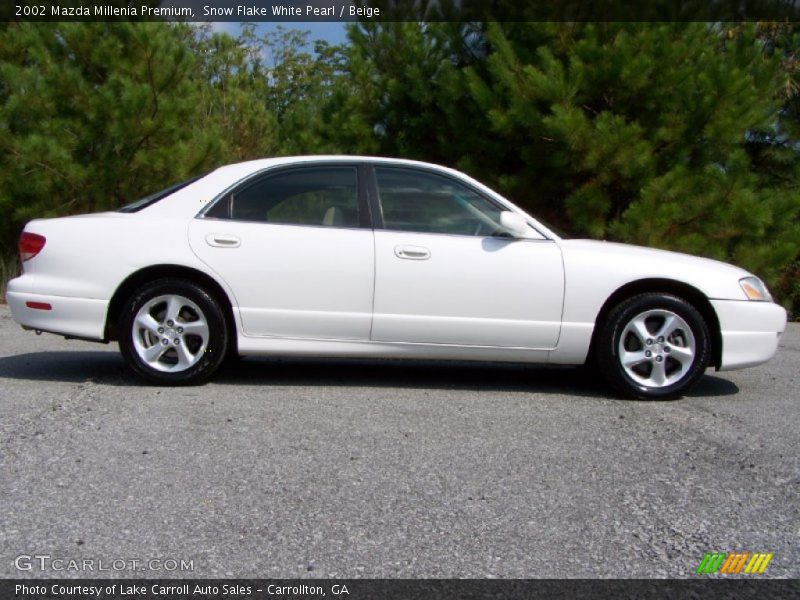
124	590
389	299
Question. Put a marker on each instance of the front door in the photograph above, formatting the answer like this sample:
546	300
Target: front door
446	274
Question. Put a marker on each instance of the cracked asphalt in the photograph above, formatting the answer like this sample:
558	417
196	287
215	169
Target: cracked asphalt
333	468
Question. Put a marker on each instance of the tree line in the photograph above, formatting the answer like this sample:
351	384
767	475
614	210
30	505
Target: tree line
684	136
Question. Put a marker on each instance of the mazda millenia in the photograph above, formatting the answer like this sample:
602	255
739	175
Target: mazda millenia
372	257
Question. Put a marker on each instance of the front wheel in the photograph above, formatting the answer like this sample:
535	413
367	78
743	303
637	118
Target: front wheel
173	333
653	346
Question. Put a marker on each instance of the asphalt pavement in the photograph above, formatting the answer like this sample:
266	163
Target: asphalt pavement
353	468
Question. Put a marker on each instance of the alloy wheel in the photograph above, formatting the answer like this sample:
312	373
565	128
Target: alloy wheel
657	348
170	333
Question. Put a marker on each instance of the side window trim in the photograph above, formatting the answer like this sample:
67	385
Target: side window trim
256	177
366	212
375	201
224	194
373	197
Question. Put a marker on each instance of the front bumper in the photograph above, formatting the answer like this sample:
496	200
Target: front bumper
77	317
750	331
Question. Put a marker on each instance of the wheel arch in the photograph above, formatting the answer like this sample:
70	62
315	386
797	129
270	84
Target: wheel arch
668	286
135	280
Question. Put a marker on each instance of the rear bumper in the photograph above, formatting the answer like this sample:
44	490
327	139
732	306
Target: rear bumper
78	317
750	332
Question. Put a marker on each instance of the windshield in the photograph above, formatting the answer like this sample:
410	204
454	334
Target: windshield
141	203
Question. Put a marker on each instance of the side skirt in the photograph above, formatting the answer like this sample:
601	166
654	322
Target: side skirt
265	346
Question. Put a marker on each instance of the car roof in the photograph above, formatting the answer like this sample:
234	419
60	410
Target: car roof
253	166
187	201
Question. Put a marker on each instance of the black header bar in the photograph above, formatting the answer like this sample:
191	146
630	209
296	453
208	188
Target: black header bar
401	10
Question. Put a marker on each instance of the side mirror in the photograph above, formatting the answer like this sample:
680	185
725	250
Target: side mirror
514	224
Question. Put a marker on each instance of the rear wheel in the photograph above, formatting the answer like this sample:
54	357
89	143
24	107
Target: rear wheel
173	333
653	346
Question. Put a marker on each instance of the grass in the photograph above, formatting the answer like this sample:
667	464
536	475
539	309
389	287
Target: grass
9	268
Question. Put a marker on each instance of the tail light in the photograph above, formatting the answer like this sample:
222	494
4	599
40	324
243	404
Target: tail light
30	244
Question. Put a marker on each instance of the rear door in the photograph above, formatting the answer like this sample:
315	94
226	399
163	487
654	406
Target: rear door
296	247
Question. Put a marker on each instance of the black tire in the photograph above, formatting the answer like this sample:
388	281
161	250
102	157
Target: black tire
639	380
208	352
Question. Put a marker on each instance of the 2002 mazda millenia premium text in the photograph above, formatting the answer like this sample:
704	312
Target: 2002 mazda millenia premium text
372	257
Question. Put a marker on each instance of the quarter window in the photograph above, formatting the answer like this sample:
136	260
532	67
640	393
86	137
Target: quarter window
321	196
429	203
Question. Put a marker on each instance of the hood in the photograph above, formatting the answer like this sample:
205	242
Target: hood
622	263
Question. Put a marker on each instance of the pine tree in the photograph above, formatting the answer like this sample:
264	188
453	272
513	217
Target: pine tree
638	132
93	115
232	84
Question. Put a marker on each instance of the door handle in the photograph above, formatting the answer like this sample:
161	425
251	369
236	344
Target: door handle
223	240
412	252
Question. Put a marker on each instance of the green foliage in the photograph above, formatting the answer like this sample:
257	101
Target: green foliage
231	84
673	135
93	115
684	136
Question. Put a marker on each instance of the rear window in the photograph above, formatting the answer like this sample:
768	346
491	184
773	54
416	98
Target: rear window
141	203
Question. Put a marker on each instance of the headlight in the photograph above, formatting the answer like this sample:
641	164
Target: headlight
755	289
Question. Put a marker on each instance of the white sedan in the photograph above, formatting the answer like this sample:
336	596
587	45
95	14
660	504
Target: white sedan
373	257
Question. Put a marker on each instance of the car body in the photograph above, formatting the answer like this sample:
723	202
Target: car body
375	257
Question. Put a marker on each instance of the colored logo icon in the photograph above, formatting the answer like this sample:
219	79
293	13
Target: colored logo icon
734	563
